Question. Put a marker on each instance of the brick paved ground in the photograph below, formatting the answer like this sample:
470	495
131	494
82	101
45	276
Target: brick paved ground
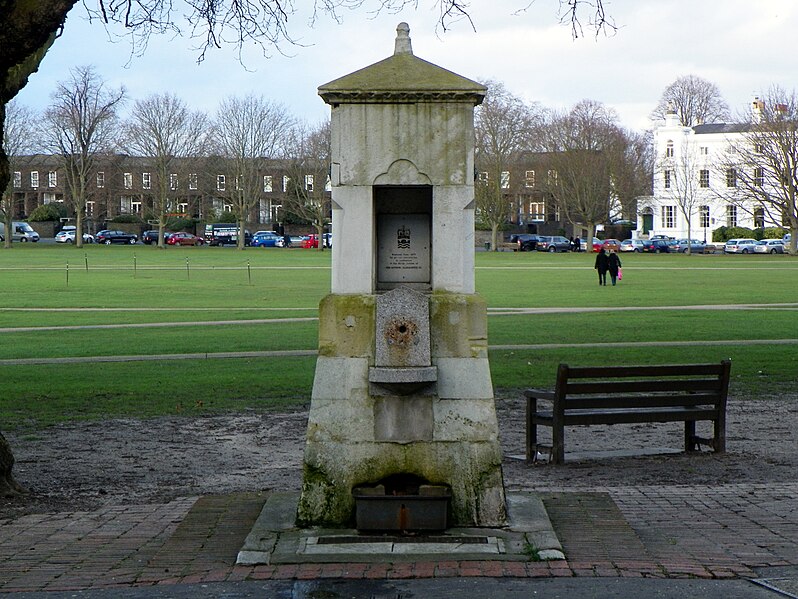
661	531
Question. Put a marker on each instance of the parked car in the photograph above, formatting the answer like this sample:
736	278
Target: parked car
22	232
657	246
312	241
665	237
151	237
632	245
770	246
739	246
267	239
224	233
183	238
611	245
525	242
113	236
596	245
552	244
69	236
696	246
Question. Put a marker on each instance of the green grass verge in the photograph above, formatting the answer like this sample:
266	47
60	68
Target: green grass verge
222	284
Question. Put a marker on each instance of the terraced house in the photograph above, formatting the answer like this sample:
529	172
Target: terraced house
127	185
720	175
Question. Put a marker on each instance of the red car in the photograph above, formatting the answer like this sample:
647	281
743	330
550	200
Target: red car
312	241
184	239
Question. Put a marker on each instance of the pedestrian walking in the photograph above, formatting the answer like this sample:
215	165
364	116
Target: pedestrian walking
614	266
602	264
577	244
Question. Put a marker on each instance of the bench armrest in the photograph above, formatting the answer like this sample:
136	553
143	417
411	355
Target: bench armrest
539	394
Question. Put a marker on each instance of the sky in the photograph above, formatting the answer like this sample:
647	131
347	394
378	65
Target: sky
743	47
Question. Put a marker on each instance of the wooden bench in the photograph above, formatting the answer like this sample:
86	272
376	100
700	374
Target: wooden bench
630	394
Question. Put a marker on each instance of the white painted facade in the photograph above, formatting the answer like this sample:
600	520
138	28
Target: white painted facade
690	177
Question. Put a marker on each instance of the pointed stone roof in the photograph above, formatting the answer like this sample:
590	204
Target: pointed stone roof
402	78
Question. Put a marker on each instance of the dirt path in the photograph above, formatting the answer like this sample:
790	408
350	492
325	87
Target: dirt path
83	466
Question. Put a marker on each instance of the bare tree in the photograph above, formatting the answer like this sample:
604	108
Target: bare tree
79	125
683	172
308	167
764	160
505	126
163	129
584	145
695	100
17	141
250	131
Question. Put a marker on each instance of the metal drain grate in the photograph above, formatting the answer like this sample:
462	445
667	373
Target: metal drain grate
357	539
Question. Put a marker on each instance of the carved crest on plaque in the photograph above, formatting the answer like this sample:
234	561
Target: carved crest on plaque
403	237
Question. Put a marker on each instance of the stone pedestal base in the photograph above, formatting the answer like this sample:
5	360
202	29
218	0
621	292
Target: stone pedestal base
355	438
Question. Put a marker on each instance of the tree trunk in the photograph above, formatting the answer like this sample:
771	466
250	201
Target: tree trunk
494	237
8	486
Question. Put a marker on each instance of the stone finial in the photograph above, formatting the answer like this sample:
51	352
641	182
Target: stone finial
403	45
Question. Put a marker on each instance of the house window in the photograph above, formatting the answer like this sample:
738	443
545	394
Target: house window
668	217
759	176
505	179
285	183
703	150
759	217
703	177
731	177
552	175
667	174
146	181
124	204
703	217
182	207
228	208
483	177
221	184
731	215
238	183
101	179
90	208
309	182
172	180
52	179
759	148
267	183
529	178
17	179
135	206
34	178
128	180
669	149
192	180
537	211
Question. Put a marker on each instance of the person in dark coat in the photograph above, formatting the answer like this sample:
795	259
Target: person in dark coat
602	264
613	265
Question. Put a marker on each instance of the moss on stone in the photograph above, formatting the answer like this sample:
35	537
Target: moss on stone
459	325
347	325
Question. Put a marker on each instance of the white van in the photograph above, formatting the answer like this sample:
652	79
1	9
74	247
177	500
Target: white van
19	232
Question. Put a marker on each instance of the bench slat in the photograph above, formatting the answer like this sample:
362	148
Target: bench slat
643	415
643	386
646	401
579	372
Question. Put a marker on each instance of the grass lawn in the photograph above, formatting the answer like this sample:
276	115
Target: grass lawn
136	297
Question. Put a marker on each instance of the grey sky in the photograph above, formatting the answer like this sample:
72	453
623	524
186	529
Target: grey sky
744	47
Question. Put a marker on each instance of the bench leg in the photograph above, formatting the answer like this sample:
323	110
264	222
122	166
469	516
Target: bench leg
719	440
531	431
558	444
689	436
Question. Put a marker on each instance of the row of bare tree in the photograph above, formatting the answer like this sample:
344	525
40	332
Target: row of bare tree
82	125
594	161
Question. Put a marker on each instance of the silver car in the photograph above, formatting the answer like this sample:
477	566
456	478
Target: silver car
740	246
769	246
632	245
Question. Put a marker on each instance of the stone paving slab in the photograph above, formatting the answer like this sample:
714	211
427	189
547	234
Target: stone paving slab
689	532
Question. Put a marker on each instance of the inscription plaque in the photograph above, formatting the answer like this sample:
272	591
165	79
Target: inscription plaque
403	248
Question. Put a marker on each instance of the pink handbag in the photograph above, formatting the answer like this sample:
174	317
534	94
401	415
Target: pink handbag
620	274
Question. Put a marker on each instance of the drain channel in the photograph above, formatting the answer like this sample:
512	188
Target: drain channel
357	539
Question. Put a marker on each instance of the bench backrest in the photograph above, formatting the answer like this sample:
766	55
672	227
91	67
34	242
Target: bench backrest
643	386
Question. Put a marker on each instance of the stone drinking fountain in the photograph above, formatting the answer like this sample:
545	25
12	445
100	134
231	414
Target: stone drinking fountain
402	404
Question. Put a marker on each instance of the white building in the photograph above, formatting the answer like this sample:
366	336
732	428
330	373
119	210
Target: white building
694	177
